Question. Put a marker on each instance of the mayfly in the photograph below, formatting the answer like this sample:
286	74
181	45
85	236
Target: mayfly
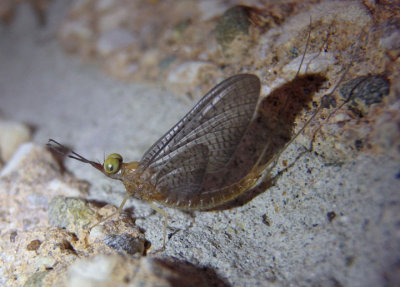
216	152
179	170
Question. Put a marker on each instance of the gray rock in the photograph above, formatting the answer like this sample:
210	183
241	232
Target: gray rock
125	243
364	91
70	213
233	22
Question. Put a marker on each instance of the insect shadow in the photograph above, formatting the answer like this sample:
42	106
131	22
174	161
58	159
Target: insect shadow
270	132
187	274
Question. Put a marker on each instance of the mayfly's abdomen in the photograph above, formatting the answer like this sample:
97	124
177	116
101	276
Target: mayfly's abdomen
208	199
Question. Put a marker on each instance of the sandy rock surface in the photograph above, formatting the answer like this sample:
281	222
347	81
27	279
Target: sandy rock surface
113	76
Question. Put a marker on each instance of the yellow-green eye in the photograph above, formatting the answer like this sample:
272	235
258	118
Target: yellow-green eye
112	163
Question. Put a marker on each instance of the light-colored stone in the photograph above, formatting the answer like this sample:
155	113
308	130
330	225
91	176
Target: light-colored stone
12	135
312	63
113	40
104	5
17	159
187	73
95	272
210	9
113	19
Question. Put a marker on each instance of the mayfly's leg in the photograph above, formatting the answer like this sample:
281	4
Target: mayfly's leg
331	114
305	49
338	107
320	49
114	213
163	213
264	170
357	47
274	159
301	63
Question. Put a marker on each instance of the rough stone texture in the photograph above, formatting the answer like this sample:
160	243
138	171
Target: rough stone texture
328	220
365	91
37	253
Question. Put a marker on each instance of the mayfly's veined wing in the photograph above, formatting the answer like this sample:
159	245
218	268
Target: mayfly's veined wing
232	90
183	174
218	122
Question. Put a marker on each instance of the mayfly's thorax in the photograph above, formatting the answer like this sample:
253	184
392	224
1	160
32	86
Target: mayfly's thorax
137	182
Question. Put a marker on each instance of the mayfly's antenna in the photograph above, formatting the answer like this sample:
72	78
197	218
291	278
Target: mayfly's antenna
305	50
65	151
301	63
320	49
350	96
318	110
351	93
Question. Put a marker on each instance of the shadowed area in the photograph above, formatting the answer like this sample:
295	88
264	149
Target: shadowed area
270	131
183	273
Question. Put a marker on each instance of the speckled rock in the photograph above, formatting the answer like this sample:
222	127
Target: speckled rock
313	63
364	91
36	279
188	74
76	216
390	37
114	40
124	243
37	191
234	21
72	214
28	182
76	34
118	232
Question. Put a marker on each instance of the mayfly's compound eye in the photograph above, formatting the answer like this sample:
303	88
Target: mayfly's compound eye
112	163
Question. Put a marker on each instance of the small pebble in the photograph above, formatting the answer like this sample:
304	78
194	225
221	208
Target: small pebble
233	22
364	91
12	135
34	245
71	213
114	40
331	216
125	243
36	280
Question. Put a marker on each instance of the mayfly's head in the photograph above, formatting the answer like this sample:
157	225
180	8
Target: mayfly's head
112	164
112	167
